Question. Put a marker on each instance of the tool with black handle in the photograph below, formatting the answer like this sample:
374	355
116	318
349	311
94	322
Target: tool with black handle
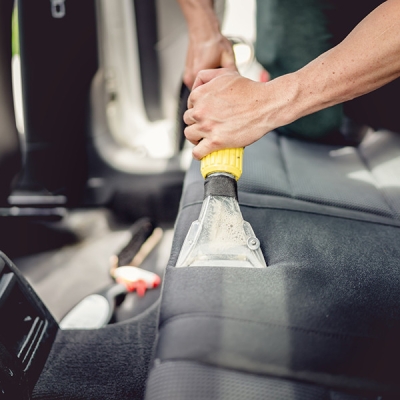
97	309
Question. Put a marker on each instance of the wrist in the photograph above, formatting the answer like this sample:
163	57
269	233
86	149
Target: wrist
295	95
200	17
283	103
204	27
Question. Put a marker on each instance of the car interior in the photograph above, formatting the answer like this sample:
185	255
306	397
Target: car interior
96	176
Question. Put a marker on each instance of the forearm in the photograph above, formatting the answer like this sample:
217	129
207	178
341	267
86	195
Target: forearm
207	47
227	110
200	16
366	60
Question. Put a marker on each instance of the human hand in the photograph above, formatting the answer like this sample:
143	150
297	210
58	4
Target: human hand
206	51
225	110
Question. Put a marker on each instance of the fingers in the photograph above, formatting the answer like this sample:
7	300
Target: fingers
202	145
191	75
202	116
207	75
204	77
192	131
200	138
201	150
188	117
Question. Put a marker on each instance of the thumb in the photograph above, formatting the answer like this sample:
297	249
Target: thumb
228	60
188	79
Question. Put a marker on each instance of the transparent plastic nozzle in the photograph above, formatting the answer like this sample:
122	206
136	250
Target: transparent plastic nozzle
221	238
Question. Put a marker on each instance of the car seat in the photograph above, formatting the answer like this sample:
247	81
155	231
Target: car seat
322	321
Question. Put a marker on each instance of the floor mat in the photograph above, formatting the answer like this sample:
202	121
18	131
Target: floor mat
104	364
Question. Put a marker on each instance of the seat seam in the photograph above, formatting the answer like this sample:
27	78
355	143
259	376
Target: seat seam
359	219
334	335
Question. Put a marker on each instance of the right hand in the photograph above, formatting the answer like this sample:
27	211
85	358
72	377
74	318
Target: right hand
226	110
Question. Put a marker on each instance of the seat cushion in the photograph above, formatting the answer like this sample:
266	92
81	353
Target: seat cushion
326	310
188	380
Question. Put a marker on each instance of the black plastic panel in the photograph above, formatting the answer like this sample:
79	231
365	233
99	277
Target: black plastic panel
58	42
26	335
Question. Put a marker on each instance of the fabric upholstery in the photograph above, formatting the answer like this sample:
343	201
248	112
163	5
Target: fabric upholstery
326	311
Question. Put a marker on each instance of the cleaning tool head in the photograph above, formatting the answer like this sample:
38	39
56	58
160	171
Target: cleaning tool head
220	237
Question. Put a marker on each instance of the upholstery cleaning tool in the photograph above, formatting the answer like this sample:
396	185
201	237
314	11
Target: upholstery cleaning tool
96	310
130	275
220	237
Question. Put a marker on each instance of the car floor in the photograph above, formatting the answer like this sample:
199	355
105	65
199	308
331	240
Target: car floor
65	261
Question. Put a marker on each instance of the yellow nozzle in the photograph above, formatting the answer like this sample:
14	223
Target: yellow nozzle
228	160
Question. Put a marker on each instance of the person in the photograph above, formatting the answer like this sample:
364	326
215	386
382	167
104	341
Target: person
227	110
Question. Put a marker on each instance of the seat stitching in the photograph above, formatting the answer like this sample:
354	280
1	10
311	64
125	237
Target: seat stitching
393	223
334	335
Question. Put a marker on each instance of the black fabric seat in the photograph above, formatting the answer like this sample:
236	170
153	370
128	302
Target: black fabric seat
323	320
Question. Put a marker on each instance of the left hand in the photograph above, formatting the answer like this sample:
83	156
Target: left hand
213	51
